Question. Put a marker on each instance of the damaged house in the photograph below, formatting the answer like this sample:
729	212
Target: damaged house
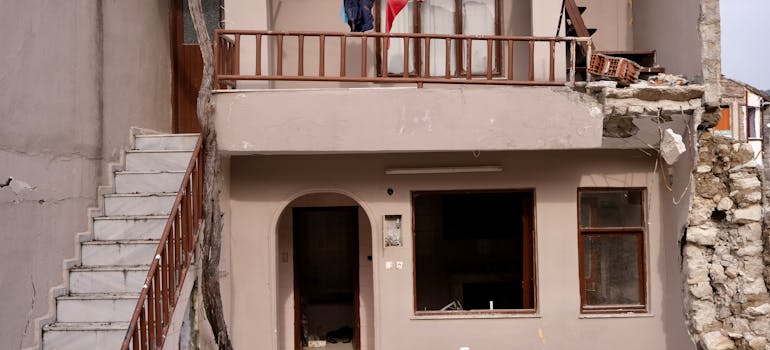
534	174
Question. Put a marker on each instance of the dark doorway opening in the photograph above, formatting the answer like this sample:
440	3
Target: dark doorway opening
326	284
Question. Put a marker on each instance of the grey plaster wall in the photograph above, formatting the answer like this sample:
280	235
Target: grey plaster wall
74	77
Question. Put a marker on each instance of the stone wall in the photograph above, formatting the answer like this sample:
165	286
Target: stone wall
726	299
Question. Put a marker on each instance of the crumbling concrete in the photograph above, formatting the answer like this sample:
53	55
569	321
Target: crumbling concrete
726	300
710	30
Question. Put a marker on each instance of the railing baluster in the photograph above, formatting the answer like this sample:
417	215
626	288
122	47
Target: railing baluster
301	59
343	54
531	60
552	59
258	65
427	57
468	59
237	48
385	46
322	55
572	65
157	319
448	63
489	59
510	59
139	331
279	59
363	56
406	57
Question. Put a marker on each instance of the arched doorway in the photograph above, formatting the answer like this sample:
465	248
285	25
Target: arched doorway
325	285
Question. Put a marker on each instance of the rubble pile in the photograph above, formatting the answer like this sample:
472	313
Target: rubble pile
726	296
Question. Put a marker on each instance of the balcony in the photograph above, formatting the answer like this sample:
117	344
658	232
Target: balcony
332	92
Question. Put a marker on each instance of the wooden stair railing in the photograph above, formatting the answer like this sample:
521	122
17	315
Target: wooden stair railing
152	316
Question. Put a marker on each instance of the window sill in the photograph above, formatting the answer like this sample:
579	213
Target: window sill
617	315
473	316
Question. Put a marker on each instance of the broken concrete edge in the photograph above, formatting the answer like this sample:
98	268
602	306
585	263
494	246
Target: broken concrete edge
80	237
727	304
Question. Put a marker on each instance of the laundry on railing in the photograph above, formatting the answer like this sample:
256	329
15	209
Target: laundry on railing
358	14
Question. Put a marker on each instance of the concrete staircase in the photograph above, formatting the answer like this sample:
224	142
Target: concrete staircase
105	286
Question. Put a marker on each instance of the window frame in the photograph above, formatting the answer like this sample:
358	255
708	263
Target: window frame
753	123
529	217
459	50
639	232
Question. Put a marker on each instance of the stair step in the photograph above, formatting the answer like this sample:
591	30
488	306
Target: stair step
96	307
129	227
79	336
139	204
157	160
107	279
184	142
118	253
148	181
572	32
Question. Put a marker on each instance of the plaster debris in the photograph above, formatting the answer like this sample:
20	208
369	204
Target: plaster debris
672	147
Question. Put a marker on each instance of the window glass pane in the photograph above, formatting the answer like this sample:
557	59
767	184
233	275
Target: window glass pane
403	23
473	251
615	208
752	122
210	15
611	269
478	19
438	17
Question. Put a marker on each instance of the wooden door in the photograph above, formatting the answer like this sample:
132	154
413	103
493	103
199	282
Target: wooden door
187	62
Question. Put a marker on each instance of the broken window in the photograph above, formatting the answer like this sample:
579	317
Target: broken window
474	251
611	245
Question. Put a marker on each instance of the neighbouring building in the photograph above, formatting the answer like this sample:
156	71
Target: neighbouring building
460	183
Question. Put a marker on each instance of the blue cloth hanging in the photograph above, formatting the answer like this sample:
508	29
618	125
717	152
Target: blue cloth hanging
359	14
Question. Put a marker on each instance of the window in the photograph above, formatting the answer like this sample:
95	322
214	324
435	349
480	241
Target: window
474	252
752	123
611	245
480	17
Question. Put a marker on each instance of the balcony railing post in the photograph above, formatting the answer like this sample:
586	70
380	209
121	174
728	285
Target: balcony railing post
552	60
321	55
258	63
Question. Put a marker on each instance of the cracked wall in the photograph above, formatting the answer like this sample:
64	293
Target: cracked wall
726	297
75	76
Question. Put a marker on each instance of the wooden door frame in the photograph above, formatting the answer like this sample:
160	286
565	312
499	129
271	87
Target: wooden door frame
297	285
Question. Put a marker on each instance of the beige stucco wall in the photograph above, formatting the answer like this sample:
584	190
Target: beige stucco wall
136	71
406	119
614	21
261	187
671	28
75	76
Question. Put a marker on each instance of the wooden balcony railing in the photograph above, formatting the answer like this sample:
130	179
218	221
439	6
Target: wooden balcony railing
152	315
500	66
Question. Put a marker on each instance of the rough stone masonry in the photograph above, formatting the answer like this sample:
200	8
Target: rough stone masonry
726	297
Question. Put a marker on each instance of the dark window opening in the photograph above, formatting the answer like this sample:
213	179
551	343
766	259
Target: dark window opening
474	251
752	122
611	245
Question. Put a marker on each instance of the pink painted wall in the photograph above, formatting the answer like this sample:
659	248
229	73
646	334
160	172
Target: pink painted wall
261	187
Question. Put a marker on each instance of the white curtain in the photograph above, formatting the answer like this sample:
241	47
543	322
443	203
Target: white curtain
478	19
438	17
